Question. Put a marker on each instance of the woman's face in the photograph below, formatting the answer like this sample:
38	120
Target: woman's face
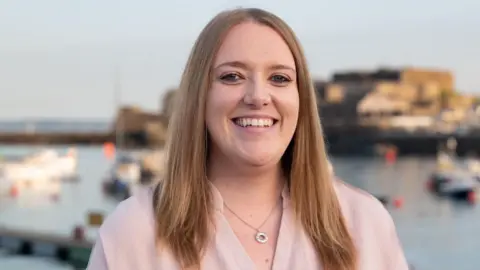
253	103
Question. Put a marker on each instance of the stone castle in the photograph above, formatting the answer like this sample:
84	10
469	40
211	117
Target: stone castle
374	96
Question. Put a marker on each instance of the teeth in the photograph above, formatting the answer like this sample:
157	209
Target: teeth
254	122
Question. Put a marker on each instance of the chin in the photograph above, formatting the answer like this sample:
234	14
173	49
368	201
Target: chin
260	161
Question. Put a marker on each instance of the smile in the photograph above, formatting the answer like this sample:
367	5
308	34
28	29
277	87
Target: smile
254	122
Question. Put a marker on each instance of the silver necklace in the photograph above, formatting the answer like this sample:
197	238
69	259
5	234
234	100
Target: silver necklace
260	237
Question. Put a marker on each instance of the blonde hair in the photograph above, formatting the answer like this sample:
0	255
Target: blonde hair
183	203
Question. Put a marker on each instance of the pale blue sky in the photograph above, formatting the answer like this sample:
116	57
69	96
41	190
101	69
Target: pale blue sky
57	57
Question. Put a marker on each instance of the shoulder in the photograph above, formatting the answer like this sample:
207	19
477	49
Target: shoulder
358	205
133	213
129	229
371	227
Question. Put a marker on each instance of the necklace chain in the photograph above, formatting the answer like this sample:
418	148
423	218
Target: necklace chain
248	224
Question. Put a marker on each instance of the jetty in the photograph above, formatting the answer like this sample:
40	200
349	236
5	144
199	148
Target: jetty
350	141
74	250
132	128
90	138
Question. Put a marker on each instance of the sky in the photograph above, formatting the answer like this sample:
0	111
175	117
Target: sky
58	59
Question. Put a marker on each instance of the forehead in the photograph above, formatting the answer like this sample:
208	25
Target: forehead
255	44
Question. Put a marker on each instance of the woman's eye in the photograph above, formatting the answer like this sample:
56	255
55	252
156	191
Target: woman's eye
231	77
280	79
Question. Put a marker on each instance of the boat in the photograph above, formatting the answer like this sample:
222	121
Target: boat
453	179
125	172
37	170
473	166
132	170
47	163
456	183
56	166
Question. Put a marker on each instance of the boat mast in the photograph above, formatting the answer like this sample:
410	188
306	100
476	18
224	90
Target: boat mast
117	91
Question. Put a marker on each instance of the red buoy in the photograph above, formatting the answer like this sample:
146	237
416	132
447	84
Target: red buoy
398	202
429	184
472	197
13	191
391	156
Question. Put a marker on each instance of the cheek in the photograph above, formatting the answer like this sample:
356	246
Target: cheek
292	106
223	99
296	105
211	110
220	104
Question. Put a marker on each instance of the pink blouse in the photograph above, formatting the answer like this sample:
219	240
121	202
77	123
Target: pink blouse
126	239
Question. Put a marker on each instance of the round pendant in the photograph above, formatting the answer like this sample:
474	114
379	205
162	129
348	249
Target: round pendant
261	237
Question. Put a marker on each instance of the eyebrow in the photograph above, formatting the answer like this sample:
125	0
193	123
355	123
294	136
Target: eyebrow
239	64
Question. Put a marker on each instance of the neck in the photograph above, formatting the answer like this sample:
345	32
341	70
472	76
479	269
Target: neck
250	187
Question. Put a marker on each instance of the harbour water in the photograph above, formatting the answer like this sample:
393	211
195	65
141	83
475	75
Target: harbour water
436	234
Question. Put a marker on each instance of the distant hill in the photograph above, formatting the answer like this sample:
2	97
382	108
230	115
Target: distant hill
55	125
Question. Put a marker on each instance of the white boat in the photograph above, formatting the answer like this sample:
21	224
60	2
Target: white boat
54	165
125	173
132	170
452	178
137	167
37	171
455	183
126	169
473	166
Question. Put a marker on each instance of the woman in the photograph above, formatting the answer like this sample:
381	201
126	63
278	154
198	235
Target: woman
246	183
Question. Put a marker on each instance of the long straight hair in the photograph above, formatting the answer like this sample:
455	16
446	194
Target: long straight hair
182	201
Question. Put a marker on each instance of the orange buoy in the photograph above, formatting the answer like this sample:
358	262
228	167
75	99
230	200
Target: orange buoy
109	150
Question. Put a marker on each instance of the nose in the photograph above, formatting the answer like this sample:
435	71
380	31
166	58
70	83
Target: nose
257	94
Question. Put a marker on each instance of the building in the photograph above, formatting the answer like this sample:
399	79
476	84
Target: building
376	97
412	76
134	127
